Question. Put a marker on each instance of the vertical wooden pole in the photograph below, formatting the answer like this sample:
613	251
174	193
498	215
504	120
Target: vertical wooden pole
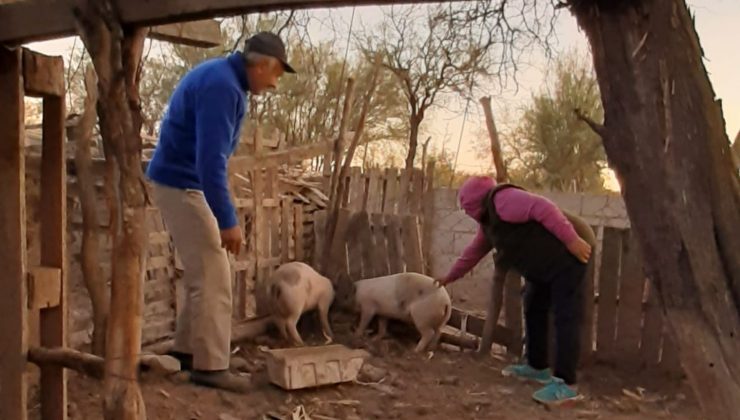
12	240
299	231
498	160
428	213
611	247
52	211
286	224
412	244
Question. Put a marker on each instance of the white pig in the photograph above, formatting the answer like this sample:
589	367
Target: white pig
294	289
408	297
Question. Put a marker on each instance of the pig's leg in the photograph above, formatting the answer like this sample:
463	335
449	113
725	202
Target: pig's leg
427	334
382	328
435	339
292	326
365	317
281	327
324	305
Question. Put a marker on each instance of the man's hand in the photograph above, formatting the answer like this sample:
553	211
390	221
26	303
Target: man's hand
232	239
580	249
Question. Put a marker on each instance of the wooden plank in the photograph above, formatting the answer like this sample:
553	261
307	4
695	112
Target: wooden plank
319	231
13	300
273	218
377	226
403	191
202	33
607	303
357	188
44	287
42	74
394	243
338	253
52	212
652	329
286	225
153	263
417	191
21	21
474	325
629	310
375	191
246	163
365	237
354	246
390	198
159	238
589	307
412	244
298	233
427	225
513	312
261	238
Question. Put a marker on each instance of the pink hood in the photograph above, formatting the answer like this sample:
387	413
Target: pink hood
472	192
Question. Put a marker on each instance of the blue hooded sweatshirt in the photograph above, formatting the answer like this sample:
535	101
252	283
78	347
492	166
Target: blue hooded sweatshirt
200	131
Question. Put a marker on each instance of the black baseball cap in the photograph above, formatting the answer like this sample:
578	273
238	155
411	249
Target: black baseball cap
268	43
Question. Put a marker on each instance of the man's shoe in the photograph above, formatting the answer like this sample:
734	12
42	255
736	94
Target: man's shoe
220	379
186	359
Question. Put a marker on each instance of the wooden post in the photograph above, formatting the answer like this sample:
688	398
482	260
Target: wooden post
412	244
428	212
52	211
116	58
298	232
629	311
12	239
498	160
607	304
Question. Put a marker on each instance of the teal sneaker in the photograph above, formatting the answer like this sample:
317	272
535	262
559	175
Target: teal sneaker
526	372
556	393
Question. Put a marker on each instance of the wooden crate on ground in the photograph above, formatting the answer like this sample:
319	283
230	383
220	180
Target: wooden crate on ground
306	367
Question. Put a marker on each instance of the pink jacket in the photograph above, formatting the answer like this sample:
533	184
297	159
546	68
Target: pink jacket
513	206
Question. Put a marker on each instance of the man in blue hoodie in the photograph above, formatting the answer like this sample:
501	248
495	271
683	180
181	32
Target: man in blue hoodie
190	186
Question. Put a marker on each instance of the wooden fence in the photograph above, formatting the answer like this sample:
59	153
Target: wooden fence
623	323
369	245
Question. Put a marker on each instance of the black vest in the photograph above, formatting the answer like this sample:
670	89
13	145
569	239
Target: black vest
527	247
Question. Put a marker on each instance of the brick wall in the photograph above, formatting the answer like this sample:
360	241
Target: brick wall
452	231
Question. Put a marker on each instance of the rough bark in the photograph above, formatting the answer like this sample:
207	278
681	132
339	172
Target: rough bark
664	134
95	282
414	123
112	54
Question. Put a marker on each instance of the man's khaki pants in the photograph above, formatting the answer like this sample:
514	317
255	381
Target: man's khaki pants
204	323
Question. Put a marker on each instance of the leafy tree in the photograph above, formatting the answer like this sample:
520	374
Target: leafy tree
439	49
551	148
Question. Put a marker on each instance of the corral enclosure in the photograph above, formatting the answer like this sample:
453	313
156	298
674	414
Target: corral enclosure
382	230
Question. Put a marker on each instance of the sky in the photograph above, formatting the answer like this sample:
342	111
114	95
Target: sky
715	21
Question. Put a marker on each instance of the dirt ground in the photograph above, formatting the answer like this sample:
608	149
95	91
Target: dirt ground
399	385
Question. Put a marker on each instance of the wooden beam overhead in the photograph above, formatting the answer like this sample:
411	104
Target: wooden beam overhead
23	22
202	33
42	74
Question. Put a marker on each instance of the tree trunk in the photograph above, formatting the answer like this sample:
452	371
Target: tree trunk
112	55
665	135
414	123
95	282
